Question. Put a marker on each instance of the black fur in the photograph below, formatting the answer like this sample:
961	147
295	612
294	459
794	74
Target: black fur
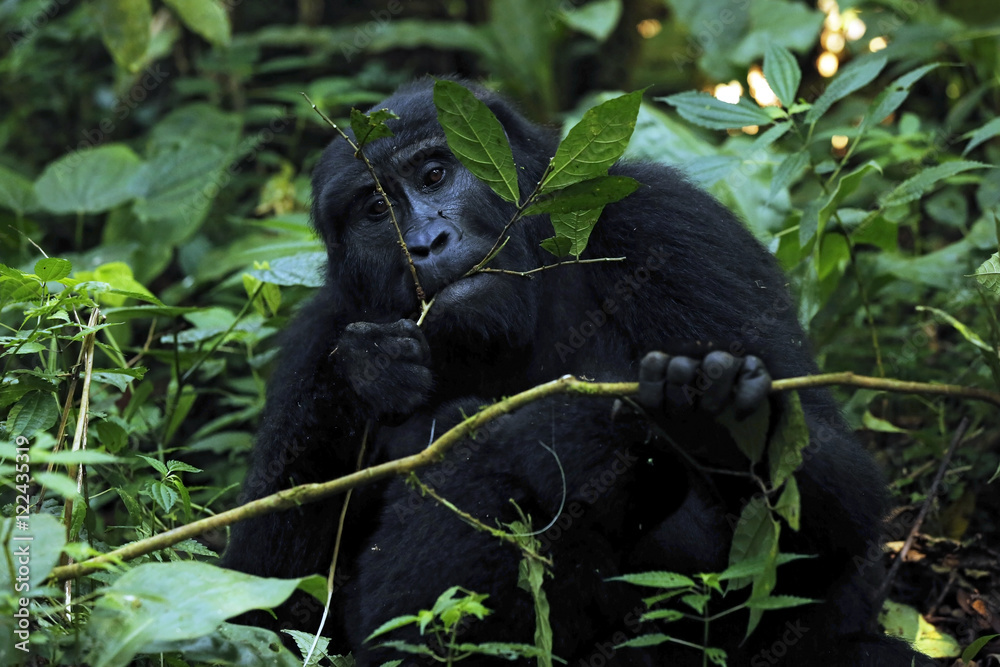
692	273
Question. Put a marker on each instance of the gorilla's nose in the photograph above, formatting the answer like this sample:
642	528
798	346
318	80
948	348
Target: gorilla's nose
431	240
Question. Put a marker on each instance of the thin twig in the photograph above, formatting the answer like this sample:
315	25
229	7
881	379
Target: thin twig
476	523
359	153
331	575
527	274
924	509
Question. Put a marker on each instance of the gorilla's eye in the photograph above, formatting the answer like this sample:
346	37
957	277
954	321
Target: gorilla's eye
434	176
378	207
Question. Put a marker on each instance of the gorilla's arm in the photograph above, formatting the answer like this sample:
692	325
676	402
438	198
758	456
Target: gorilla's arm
329	382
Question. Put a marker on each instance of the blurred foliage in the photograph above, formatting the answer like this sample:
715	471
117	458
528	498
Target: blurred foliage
159	153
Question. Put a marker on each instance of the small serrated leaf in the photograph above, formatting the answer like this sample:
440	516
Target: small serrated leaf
914	187
704	110
369	127
53	268
856	75
782	73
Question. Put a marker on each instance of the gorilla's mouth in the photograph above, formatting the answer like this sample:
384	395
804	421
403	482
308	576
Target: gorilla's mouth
461	289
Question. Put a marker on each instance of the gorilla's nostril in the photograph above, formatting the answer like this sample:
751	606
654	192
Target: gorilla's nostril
440	242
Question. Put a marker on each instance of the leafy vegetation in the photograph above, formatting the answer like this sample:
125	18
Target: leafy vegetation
154	237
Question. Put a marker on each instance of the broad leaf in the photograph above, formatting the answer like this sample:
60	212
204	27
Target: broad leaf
594	144
208	18
88	181
574	229
585	195
17	193
476	138
125	29
164	602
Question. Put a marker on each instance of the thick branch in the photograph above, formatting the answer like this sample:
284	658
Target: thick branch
307	493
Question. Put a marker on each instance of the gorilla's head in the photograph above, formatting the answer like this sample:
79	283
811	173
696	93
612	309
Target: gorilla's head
449	221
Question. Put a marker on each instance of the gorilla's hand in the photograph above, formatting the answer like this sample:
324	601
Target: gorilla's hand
676	385
387	365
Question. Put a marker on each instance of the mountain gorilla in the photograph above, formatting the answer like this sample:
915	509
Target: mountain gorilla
355	366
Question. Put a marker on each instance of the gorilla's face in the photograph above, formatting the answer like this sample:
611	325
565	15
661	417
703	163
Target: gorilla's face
449	221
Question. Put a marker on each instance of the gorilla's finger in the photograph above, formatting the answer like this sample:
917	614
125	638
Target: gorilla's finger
752	387
652	373
719	370
681	373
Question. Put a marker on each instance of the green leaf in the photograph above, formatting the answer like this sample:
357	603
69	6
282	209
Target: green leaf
162	602
652	639
112	436
594	144
88	181
914	187
117	275
976	137
656	580
231	645
988	273
48	535
891	98
303	269
16	192
177	186
476	138
755	534
589	194
559	246
782	73
393	624
788	172
854	76
973	649
791	436
789	505
125	29
119	377
165	495
206	17
369	127
778	602
575	228
597	19
61	484
53	268
37	411
817	212
704	110
749	434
